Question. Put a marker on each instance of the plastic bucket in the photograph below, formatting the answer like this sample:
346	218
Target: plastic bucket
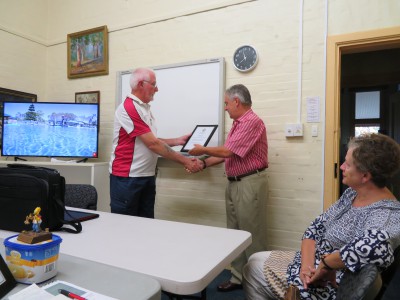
32	263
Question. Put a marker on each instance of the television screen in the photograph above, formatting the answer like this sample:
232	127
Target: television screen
50	129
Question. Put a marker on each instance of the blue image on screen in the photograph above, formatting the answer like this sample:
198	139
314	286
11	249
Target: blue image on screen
50	129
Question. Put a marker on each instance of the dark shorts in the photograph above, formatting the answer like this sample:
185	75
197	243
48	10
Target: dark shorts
134	196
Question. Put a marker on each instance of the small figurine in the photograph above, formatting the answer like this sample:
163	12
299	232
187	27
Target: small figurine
36	220
36	235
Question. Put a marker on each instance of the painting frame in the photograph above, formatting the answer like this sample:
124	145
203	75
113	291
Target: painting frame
16	96
7	280
7	95
87	97
87	53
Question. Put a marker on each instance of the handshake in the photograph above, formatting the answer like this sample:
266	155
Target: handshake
194	165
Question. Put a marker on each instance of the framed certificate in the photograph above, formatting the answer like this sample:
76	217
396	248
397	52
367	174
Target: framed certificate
7	281
201	135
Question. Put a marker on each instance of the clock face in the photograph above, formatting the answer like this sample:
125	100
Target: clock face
245	58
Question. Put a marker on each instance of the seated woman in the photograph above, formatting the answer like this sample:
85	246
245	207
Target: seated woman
362	227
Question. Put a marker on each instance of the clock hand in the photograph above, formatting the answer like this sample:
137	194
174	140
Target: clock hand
244	58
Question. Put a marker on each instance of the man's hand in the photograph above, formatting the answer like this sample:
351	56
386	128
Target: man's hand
197	150
182	139
193	165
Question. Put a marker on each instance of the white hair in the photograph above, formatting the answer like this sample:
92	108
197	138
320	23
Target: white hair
139	75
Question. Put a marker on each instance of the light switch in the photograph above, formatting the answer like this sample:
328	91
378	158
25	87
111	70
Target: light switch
314	130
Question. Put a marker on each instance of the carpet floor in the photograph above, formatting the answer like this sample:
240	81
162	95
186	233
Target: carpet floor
213	294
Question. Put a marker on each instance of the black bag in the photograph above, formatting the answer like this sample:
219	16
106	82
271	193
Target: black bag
25	187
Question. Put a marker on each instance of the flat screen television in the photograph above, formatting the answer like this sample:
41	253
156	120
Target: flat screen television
50	129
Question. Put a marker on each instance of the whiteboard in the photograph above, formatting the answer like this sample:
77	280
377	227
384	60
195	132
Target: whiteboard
189	94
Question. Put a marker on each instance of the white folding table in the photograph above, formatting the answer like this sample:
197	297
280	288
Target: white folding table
183	257
101	278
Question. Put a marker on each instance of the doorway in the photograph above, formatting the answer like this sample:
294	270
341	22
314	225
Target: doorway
349	60
370	85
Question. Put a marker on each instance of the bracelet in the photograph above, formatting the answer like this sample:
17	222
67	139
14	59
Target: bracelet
326	266
204	164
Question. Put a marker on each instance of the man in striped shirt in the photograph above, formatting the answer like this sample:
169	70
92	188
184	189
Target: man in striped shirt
245	154
136	149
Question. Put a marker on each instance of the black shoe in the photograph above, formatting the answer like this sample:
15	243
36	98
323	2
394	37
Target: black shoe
229	286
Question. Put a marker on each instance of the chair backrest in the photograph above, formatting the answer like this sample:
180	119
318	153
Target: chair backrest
362	285
368	283
81	196
387	277
392	290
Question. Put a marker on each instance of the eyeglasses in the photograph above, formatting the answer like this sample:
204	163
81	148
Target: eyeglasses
151	83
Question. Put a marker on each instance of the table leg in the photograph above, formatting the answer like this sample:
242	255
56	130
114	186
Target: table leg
171	296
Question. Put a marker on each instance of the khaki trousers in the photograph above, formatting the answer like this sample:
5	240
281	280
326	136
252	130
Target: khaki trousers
246	210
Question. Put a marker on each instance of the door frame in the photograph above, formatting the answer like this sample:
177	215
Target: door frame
336	46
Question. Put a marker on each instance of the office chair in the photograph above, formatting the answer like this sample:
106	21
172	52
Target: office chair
362	285
81	196
368	283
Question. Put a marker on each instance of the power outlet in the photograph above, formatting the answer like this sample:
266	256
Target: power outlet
289	130
298	129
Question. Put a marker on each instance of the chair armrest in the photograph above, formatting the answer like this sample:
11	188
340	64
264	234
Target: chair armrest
362	285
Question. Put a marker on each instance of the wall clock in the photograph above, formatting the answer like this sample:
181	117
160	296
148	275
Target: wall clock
245	58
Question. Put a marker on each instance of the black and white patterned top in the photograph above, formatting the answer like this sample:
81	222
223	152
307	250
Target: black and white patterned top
362	235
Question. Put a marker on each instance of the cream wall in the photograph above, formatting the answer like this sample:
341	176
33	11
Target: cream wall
143	33
362	15
22	45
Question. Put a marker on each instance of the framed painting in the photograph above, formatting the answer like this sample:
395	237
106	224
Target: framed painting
87	97
88	53
7	95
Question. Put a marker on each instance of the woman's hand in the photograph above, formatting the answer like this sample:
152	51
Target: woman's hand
307	261
322	276
306	274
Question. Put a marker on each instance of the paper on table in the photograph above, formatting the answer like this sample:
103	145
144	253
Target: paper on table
54	286
33	292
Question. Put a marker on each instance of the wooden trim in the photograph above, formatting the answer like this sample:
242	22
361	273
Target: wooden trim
336	46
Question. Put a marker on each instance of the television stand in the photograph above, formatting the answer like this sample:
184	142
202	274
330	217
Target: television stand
82	160
95	174
19	158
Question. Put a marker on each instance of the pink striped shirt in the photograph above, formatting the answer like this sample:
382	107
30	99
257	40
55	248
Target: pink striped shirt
248	141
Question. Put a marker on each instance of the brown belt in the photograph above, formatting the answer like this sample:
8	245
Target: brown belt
239	177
